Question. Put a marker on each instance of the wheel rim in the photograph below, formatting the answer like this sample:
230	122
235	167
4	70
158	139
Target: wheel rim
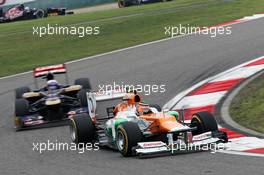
196	122
40	14
120	140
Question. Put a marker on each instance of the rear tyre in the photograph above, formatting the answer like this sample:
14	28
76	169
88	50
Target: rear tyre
128	135
21	107
204	121
84	82
20	91
82	129
82	95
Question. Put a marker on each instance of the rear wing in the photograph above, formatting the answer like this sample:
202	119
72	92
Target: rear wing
110	95
55	69
107	99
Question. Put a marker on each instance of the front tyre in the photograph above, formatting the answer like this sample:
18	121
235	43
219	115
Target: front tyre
21	110
21	107
20	91
204	122
82	129
128	135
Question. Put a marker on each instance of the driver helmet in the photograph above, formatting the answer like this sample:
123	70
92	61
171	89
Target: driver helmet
131	98
52	85
143	108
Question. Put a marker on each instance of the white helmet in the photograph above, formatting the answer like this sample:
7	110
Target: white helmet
52	85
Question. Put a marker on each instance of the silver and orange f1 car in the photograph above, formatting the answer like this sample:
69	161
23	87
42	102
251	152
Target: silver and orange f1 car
136	128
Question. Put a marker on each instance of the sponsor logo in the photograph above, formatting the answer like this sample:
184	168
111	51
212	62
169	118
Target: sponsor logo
59	66
2	2
28	123
151	144
202	136
14	13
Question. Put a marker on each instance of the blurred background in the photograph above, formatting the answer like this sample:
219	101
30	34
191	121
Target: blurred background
69	4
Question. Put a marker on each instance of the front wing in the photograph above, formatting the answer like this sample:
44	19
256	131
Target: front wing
202	142
25	123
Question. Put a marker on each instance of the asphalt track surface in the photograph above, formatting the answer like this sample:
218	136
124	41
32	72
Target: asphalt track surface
177	63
